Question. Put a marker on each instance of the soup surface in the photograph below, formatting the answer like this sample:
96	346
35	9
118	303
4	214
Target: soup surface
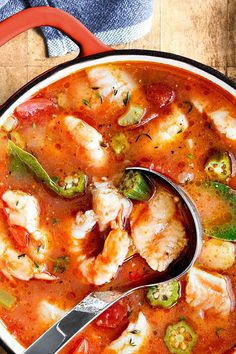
69	218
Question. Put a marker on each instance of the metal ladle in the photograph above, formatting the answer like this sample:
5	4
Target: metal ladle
100	300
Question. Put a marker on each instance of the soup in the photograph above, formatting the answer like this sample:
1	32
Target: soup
70	216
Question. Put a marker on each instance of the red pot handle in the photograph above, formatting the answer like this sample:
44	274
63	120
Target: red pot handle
50	16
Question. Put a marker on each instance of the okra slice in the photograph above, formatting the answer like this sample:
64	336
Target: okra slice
119	143
218	166
132	116
135	186
164	295
180	338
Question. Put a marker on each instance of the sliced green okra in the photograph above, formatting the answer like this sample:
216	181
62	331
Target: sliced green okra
180	338
135	186
218	166
164	295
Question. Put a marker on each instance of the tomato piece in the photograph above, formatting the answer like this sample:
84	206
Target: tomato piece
20	235
82	347
160	95
35	108
113	316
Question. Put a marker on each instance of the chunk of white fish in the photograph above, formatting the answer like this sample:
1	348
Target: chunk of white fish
49	313
208	292
132	339
224	123
84	223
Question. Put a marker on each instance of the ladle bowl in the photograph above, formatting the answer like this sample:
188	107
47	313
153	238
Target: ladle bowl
101	299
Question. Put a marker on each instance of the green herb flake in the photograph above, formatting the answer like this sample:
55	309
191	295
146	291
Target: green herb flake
34	125
132	343
143	135
180	131
218	331
54	221
127	98
85	102
61	264
135	331
182	318
99	96
115	91
190	156
21	255
36	264
17	202
55	179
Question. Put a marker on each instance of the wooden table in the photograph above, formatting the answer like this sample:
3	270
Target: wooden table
204	30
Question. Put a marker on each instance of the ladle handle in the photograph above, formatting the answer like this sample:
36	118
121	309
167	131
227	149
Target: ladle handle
73	322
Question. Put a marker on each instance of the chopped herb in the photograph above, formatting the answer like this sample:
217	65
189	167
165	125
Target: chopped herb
55	179
180	131
218	331
188	105
38	248
54	221
127	98
17	202
143	134
34	125
61	264
21	255
95	88
190	156
115	91
182	318
85	102
99	96
36	264
103	144
135	331
132	343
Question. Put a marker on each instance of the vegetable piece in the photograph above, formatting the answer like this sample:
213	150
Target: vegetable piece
35	107
164	295
82	347
119	143
7	300
61	264
227	230
160	95
180	338
113	316
217	254
132	116
67	190
218	166
135	186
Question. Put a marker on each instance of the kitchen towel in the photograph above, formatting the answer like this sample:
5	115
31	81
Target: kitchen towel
112	21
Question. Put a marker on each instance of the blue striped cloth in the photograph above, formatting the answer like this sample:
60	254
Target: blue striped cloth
112	21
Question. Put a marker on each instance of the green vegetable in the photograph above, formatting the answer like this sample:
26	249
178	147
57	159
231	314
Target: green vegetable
164	295
127	98
218	166
119	143
7	300
61	264
135	186
227	230
180	338
67	190
132	116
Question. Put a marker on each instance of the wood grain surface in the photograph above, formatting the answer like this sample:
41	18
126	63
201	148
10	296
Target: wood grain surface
204	30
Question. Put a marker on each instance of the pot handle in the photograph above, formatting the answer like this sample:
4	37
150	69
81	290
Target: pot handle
54	17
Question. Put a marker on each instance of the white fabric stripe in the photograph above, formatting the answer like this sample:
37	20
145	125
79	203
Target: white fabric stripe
58	46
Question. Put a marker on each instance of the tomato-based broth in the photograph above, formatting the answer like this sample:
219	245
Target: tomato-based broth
70	215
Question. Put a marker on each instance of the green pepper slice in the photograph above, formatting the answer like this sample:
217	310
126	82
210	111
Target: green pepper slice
6	300
67	190
164	295
135	186
133	116
180	338
227	230
218	166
